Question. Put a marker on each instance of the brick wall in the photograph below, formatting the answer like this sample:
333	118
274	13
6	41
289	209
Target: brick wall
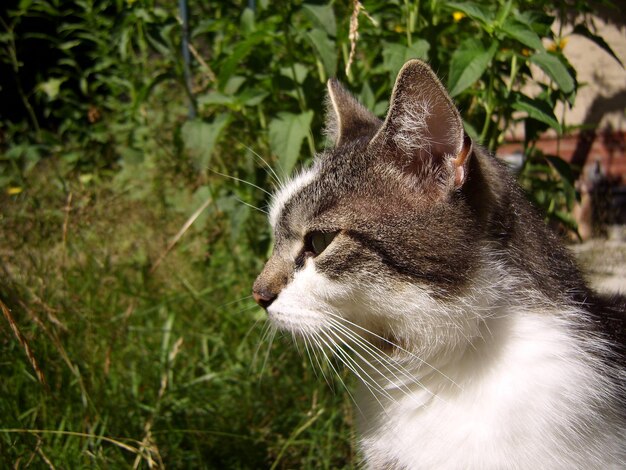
585	150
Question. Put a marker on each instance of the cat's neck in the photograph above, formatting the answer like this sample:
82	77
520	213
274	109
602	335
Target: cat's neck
469	397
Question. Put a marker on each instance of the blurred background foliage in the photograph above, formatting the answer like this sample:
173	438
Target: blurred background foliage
133	189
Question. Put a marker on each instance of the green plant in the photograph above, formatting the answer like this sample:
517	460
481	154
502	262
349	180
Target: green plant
502	61
85	104
126	226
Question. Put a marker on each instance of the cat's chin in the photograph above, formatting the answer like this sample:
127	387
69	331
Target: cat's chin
298	322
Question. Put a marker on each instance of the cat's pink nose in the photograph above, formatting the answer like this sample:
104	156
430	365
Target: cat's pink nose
264	298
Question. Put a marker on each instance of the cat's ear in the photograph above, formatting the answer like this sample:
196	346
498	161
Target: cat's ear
423	130
346	118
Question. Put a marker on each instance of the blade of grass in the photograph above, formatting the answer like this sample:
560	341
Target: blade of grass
294	436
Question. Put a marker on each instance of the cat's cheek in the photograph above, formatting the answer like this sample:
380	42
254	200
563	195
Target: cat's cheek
306	304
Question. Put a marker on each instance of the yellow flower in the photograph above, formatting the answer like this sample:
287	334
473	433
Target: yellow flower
458	16
13	190
558	46
399	28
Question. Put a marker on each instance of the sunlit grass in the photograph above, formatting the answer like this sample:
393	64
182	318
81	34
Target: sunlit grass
134	364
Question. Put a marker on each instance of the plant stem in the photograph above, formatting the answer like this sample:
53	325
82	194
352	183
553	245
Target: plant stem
512	75
488	107
409	39
16	67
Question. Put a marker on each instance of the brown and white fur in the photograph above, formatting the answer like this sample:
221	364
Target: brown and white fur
477	342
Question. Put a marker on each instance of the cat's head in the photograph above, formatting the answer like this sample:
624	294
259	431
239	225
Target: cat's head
376	240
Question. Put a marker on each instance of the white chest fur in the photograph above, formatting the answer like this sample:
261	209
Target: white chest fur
527	395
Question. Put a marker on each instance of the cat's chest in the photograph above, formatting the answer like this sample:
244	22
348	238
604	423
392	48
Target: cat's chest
512	407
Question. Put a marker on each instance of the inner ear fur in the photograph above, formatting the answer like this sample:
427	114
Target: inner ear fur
347	119
423	130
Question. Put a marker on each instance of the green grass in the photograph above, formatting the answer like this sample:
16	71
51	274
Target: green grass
165	365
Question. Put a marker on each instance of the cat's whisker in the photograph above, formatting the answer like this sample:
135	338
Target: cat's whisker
295	344
252	206
307	348
247	308
373	388
340	353
383	360
349	365
241	181
319	348
261	341
234	301
271	171
330	364
400	348
265	333
345	386
365	345
397	383
351	348
310	352
272	334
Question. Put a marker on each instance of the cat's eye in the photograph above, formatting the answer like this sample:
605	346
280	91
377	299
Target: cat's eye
319	241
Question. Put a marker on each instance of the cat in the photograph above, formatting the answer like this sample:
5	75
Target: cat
413	255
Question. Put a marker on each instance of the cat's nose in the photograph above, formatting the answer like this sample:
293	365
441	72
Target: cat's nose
264	298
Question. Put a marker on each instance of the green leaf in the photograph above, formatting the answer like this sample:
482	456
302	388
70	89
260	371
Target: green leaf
51	87
247	21
555	69
367	97
200	138
247	97
251	96
286	133
297	73
539	22
563	168
471	131
322	16
238	55
233	84
582	30
468	63
537	109
522	33
475	11
380	108
567	219
325	48
396	55
215	98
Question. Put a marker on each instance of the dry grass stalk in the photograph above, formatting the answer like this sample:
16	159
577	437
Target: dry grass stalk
45	459
51	313
207	69
67	209
53	337
24	343
180	233
62	352
117	441
147	449
353	35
